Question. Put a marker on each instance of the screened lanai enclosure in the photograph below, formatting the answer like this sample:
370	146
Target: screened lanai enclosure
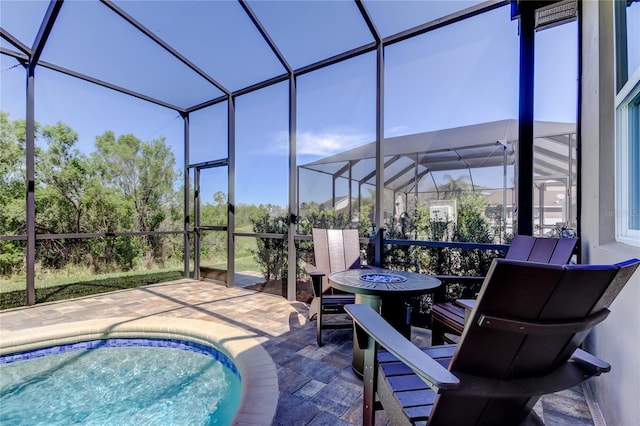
209	137
437	166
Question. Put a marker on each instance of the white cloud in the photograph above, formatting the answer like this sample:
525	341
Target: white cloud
322	144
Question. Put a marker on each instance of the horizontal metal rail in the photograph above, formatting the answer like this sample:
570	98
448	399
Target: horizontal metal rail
91	235
450	244
420	243
212	228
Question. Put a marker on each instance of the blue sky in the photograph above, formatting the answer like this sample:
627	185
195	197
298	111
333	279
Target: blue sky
463	74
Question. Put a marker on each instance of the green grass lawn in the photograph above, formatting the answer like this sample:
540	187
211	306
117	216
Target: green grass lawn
85	287
245	259
74	275
77	281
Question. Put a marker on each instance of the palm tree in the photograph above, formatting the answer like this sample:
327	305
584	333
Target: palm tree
455	186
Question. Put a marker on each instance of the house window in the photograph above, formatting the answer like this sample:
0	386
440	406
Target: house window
627	212
628	170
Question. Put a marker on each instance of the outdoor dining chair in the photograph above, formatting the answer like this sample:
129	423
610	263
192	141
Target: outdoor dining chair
334	250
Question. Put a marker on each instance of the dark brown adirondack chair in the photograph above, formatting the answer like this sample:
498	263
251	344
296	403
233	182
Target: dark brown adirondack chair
335	250
449	318
521	342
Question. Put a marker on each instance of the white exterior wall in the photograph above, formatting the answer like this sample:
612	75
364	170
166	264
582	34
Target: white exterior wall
617	340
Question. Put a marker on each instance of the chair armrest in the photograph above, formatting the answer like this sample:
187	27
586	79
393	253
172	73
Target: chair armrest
467	304
568	375
590	362
312	270
370	322
316	279
463	279
580	367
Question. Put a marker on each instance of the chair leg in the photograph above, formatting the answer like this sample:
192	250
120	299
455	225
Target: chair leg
437	332
315	307
319	327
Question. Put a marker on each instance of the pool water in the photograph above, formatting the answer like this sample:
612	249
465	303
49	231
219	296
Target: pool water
119	384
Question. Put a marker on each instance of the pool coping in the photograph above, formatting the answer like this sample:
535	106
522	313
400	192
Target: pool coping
259	375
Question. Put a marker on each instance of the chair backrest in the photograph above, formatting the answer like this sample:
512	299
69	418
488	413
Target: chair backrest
554	251
335	250
528	320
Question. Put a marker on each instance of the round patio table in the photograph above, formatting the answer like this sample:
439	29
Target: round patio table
385	291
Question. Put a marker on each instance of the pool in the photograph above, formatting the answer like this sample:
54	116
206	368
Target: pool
248	372
119	381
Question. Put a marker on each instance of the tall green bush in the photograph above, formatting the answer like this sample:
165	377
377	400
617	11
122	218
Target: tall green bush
271	253
11	257
471	225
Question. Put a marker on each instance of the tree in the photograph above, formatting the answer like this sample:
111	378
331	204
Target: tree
144	172
213	245
473	226
320	217
455	186
12	175
12	159
62	173
125	185
12	189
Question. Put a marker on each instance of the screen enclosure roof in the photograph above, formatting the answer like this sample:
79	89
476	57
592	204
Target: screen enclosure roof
187	55
470	147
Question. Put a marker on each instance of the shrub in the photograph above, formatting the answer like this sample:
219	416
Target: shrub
271	253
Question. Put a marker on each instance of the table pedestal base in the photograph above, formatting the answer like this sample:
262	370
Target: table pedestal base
393	310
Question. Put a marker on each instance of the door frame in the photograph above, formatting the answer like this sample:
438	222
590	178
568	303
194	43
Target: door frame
198	227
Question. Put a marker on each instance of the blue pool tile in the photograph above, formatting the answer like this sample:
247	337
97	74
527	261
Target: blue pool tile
114	343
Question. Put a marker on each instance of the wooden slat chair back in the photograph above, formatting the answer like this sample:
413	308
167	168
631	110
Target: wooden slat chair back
522	341
554	251
334	250
447	317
